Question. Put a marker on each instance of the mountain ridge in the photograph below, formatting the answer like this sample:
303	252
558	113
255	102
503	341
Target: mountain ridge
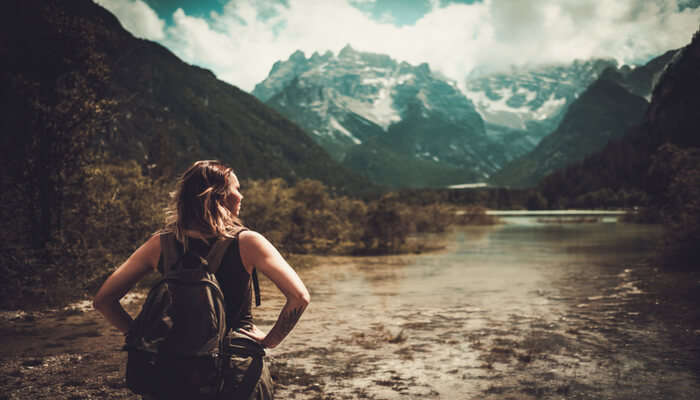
357	102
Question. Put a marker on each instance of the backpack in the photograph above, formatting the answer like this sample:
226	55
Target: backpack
178	346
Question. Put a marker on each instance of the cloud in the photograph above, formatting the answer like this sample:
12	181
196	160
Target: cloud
628	30
242	42
136	17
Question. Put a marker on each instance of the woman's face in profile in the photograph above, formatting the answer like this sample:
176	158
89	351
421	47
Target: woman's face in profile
235	197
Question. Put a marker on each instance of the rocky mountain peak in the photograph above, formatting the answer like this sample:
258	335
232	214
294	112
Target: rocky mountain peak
531	94
297	56
317	58
347	52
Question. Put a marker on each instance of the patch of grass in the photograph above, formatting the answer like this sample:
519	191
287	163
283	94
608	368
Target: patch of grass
68	312
525	358
495	390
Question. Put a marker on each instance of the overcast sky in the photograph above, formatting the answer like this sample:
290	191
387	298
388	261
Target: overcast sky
239	40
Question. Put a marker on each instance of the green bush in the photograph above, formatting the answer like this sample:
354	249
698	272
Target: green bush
536	201
304	218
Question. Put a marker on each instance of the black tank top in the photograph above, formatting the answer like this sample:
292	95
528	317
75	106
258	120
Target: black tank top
234	280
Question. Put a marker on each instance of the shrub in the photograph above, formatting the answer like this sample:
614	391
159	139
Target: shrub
110	209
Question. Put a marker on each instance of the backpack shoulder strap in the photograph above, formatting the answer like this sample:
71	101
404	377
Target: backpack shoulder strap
216	254
256	287
168	251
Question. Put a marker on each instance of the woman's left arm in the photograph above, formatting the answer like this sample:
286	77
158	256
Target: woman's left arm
138	265
258	252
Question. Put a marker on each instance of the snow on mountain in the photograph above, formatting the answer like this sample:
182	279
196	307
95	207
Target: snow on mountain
336	125
369	102
355	104
521	95
605	111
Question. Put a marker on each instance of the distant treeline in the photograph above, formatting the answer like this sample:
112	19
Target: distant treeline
662	183
554	197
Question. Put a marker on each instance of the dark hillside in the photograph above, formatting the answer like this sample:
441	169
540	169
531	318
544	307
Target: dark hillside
641	80
166	113
673	115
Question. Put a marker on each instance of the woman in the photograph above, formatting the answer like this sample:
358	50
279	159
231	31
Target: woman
205	208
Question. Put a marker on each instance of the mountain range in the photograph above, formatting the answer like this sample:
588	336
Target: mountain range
405	125
396	123
347	119
530	100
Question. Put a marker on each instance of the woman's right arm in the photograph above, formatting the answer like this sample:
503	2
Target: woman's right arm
258	252
138	265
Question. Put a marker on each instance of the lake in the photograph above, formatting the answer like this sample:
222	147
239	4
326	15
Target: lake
523	309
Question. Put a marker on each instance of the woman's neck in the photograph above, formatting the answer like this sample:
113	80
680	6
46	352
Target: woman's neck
199	235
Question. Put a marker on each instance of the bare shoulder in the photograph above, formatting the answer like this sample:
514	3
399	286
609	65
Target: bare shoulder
250	237
153	243
251	244
254	249
149	252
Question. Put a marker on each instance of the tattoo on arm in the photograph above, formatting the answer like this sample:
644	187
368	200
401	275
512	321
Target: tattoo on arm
289	319
285	323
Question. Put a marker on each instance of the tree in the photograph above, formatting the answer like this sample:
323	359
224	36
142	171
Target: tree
61	108
675	174
385	229
57	95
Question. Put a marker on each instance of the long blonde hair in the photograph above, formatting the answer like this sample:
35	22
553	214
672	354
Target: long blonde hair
200	202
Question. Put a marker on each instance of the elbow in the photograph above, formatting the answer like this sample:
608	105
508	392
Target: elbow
306	298
100	303
302	299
